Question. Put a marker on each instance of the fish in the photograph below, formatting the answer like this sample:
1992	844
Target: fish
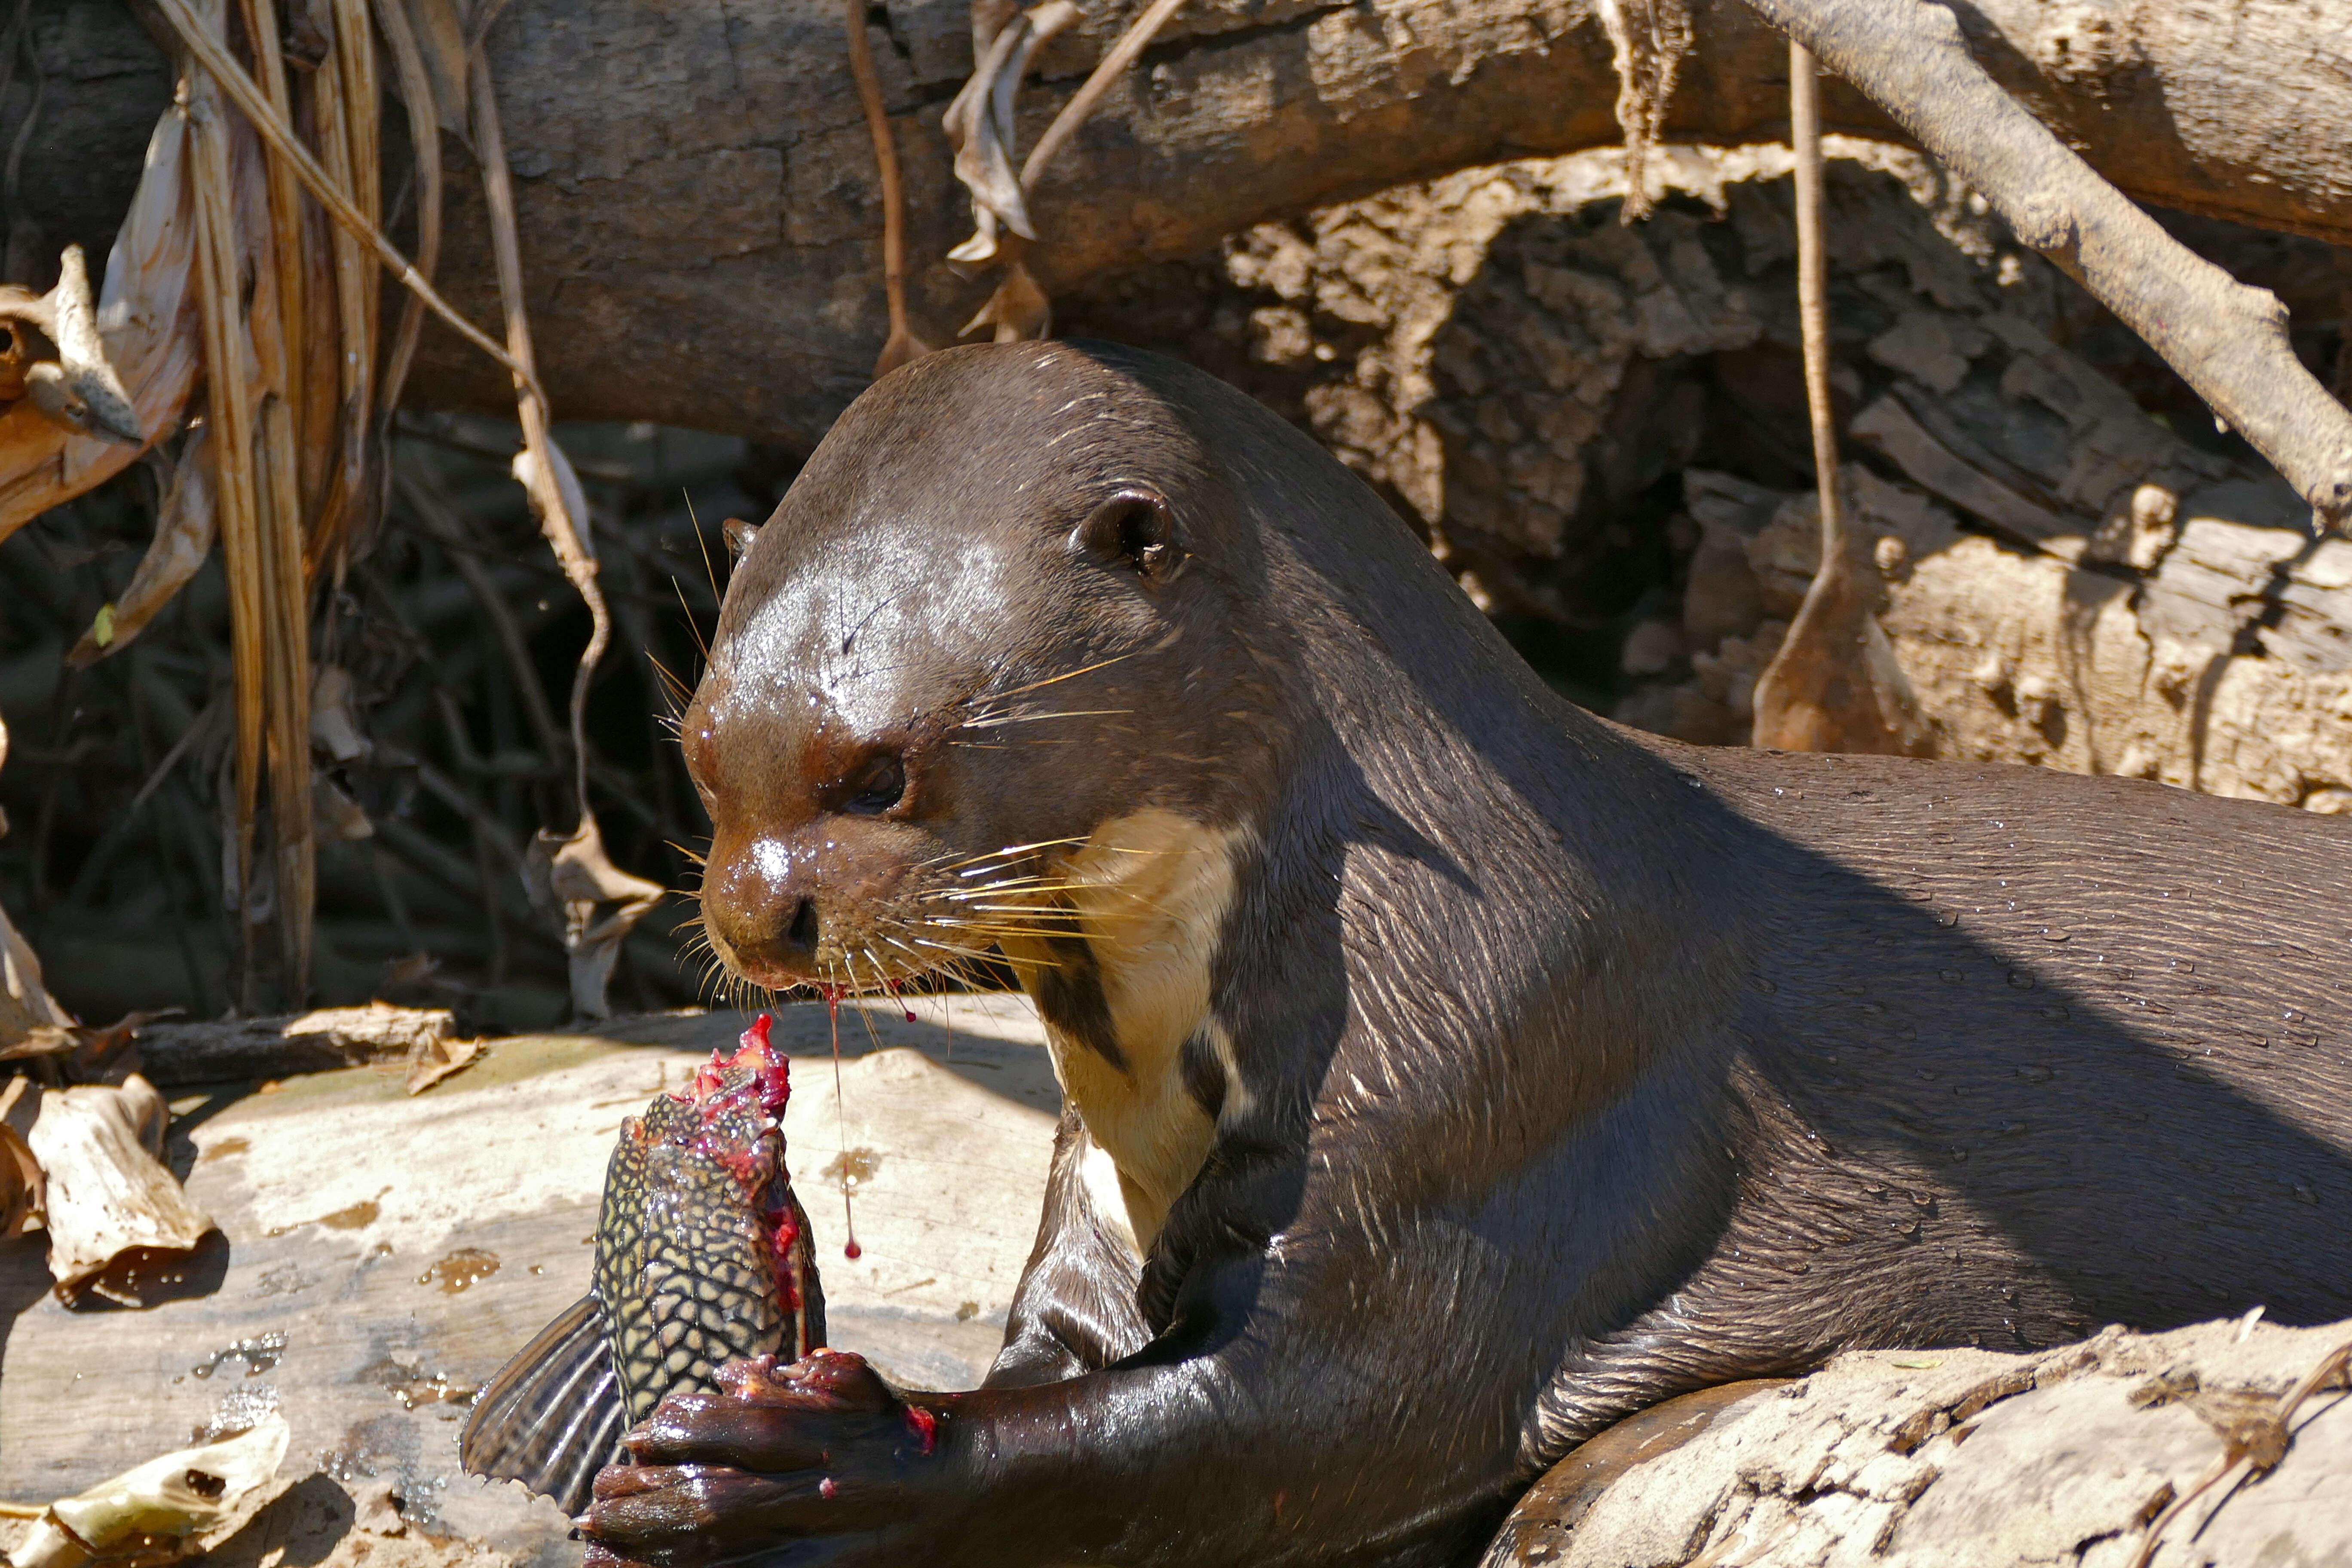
703	1257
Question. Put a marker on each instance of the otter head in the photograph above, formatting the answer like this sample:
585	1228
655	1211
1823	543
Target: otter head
985	680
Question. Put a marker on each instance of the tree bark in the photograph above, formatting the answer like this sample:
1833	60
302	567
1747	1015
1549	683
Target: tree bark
698	199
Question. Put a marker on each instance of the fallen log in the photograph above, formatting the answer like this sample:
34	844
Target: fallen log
2093	1453
423	1040
700	206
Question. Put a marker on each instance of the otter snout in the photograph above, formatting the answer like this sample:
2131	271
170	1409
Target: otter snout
784	909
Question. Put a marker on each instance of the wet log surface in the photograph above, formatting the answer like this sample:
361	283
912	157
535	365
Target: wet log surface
382	1255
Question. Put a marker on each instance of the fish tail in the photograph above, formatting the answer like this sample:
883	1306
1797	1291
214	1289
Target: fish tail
553	1417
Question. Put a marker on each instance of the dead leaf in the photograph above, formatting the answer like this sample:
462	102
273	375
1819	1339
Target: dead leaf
112	1206
184	530
980	126
146	320
21	1187
576	874
430	1062
1018	311
162	1509
25	1004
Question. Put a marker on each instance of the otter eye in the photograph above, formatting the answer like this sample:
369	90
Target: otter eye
879	788
1134	526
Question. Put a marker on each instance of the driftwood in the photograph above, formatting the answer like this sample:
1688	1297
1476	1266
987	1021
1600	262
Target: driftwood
2090	1454
697	194
423	1040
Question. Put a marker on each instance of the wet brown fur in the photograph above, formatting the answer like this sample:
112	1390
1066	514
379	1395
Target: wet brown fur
1552	1069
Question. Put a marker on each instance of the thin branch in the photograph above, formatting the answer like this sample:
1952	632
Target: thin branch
2228	342
1130	43
544	470
442	521
1834	685
902	344
425	146
1813	293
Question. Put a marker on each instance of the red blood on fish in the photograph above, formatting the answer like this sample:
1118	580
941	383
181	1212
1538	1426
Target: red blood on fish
771	1072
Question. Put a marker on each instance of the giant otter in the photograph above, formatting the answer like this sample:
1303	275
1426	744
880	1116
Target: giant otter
1476	1071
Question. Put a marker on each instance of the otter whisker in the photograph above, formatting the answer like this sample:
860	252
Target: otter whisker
922	965
693	628
1005	890
1009	851
983	955
1052	679
994	720
710	572
1031	933
671	685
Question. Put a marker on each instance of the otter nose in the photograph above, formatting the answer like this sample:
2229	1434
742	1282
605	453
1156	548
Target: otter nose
762	910
782	950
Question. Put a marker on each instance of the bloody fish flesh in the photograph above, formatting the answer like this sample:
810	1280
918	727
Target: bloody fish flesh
702	1258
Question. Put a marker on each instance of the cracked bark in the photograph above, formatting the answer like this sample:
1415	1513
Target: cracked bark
1965	1458
699	214
2228	342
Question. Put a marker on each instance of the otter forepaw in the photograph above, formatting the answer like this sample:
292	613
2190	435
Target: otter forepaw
821	1447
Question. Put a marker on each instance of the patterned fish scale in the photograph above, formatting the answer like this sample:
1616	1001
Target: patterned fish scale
702	1258
686	1262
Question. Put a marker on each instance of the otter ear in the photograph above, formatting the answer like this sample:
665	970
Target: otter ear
1134	526
739	535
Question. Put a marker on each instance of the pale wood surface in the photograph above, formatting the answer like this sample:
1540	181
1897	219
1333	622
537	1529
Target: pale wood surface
342	1200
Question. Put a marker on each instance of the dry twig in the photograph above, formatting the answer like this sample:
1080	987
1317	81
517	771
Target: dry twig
1131	43
546	474
2253	1442
425	145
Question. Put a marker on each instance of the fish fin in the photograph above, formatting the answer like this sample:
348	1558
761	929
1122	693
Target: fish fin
553	1415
